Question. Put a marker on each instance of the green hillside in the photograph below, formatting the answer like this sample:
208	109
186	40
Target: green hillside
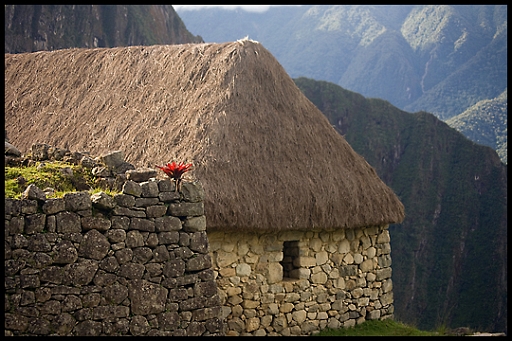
449	254
486	123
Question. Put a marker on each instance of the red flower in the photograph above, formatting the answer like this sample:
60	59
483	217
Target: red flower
174	170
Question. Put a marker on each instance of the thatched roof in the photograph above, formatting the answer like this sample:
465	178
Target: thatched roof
266	156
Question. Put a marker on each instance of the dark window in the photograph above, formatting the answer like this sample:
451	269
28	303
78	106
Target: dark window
290	259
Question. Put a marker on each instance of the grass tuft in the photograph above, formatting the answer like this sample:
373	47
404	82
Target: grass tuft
378	328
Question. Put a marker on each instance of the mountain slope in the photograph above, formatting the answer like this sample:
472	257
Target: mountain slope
450	252
436	58
486	123
30	28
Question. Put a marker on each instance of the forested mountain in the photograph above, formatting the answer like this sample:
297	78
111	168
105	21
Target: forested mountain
30	28
441	59
486	123
450	253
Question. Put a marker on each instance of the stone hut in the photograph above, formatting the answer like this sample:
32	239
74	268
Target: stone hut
296	220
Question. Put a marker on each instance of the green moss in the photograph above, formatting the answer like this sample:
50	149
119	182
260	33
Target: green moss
49	174
378	328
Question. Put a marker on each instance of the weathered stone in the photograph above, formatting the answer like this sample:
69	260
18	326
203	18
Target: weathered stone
184	209
132	188
28	206
385	261
116	235
113	159
383	237
274	273
39	151
319	278
146	297
366	266
149	189
373	314
141	174
199	242
134	239
38	243
167	238
142	255
192	191
35	223
167	223
142	225
109	264
168	320
131	270
33	192
80	273
383	274
103	201
94	245
386	299
68	222
124	211
77	201
54	205
195	224
115	293
174	268
11	150
66	253
95	223
200	262
156	211
124	200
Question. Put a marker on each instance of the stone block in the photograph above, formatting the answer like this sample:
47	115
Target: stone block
103	201
68	222
146	297
200	262
141	224
195	224
321	257
141	174
132	188
243	269
94	245
95	223
319	278
373	315
184	209
192	191
167	223
77	201
35	223
366	266
383	274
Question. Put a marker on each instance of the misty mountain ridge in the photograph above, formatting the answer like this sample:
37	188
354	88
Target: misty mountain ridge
433	58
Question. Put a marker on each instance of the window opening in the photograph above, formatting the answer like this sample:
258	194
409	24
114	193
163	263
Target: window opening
290	262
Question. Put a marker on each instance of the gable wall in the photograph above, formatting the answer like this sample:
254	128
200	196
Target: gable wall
344	278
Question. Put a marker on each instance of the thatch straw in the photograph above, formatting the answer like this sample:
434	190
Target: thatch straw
266	156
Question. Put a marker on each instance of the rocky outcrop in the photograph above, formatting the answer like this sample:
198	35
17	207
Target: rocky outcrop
30	28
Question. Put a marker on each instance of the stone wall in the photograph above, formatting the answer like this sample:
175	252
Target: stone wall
296	283
133	264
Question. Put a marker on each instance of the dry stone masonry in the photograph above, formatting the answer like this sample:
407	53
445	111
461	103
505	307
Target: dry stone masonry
134	264
298	282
